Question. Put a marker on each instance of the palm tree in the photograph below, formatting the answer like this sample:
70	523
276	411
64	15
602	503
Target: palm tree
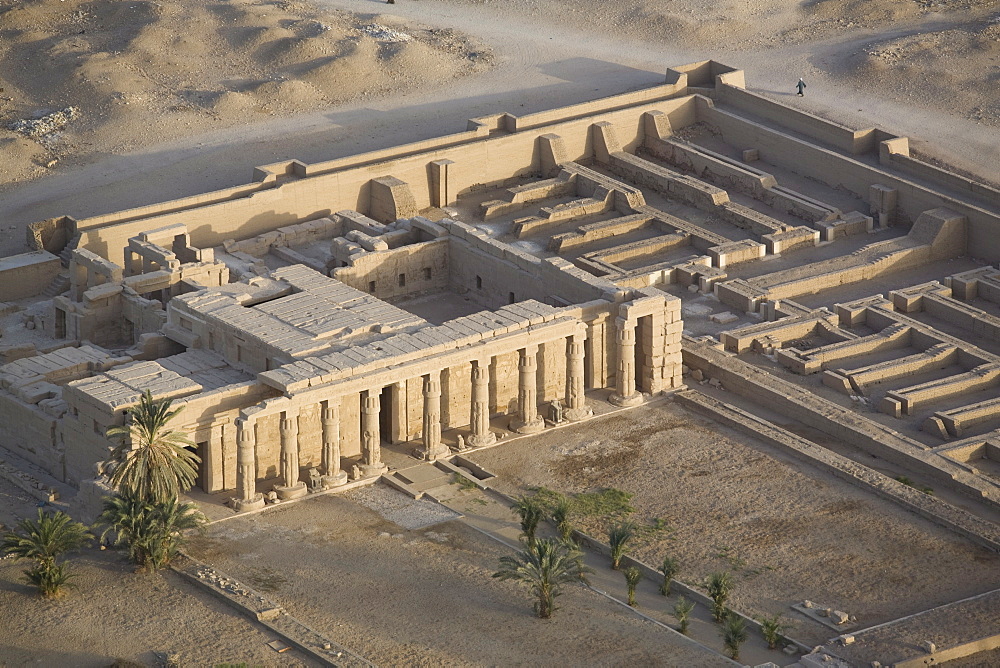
50	580
669	568
734	634
44	541
560	515
771	629
153	463
682	611
719	587
544	565
618	537
632	577
152	531
530	512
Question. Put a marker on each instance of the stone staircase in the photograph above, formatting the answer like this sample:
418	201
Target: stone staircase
67	252
59	285
438	479
417	480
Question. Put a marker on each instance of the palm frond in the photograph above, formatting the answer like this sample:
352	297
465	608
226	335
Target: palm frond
154	463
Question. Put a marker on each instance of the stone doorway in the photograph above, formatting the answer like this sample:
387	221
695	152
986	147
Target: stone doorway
385	414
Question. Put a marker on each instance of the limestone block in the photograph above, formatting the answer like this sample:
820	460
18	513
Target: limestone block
891	406
779	242
36	392
837	381
724	318
391	198
882	200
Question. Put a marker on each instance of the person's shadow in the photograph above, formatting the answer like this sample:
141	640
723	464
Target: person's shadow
771	92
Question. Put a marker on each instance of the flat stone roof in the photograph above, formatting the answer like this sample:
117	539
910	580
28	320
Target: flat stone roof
407	346
25	259
182	375
300	312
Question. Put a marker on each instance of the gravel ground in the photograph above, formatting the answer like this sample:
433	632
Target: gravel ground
422	597
115	613
787	531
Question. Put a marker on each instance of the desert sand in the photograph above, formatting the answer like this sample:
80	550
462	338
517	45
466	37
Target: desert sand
172	99
114	613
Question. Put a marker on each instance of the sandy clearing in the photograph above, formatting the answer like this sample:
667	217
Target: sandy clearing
423	597
115	613
787	531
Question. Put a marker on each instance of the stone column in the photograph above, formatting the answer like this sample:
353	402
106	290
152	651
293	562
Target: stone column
576	400
330	416
527	421
479	420
246	469
433	447
371	439
290	487
626	394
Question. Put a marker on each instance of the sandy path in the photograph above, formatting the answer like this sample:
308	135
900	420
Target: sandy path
542	61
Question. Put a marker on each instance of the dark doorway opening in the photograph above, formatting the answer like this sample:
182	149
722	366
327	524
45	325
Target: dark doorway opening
203	482
385	414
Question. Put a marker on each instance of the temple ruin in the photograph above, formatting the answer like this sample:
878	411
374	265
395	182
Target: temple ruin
467	282
445	295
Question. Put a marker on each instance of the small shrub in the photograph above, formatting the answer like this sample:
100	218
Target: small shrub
771	629
618	538
530	512
734	634
632	578
682	611
561	517
44	541
608	502
544	565
51	579
669	568
464	483
720	585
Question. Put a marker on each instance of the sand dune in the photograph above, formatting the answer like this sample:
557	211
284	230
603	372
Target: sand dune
145	72
960	64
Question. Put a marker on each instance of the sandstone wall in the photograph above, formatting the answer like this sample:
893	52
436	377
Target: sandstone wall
27	274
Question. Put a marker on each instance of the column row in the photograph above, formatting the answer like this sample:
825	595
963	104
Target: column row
527	420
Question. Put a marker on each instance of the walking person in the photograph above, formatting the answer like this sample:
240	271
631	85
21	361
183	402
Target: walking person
801	85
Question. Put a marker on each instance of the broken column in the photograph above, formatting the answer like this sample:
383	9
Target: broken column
576	401
626	394
291	486
433	447
371	438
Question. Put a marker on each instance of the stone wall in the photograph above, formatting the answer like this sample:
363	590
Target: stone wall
27	274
